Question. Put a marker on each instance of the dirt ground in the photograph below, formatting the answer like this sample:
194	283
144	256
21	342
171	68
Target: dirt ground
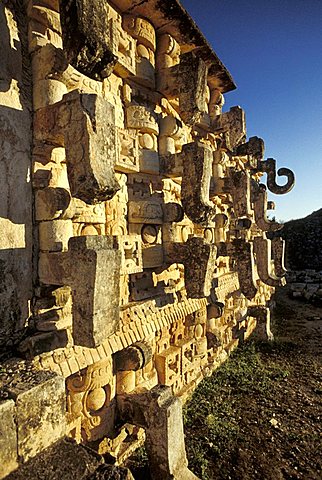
260	415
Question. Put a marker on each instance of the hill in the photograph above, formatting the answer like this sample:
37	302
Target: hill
304	242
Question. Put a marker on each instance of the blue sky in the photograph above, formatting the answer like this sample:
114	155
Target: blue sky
273	49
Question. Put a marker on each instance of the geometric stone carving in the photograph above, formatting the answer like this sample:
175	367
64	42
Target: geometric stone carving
269	166
89	400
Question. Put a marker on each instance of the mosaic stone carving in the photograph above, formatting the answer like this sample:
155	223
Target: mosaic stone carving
151	257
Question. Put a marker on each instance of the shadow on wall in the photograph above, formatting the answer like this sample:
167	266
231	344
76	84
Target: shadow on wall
15	165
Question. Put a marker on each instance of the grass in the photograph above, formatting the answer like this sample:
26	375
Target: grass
212	416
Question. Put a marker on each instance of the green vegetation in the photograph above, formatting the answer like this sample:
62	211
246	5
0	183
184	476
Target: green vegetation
212	416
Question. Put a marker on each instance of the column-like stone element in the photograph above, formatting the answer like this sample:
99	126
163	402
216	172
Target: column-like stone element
262	249
187	81
241	193
8	438
278	250
85	125
259	199
243	253
39	412
269	166
92	268
263	317
134	357
197	171
90	37
233	125
160	413
199	259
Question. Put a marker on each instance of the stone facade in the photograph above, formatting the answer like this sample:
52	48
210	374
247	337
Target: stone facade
134	250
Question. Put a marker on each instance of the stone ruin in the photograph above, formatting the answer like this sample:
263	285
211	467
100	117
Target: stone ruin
133	252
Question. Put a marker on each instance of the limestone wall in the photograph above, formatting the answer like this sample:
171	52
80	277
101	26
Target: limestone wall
151	260
15	173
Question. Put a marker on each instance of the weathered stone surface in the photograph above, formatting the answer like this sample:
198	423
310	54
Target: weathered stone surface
8	438
65	460
160	413
149	218
90	37
269	166
90	260
15	164
39	411
197	171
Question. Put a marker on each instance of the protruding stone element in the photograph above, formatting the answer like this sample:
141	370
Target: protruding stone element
243	253
278	250
90	37
233	125
263	317
134	357
259	198
39	412
87	265
85	125
241	193
254	149
262	249
199	259
188	81
269	167
160	413
8	438
197	171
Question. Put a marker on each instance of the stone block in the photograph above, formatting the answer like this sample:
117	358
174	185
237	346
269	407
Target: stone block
95	285
91	267
8	438
90	37
40	412
197	172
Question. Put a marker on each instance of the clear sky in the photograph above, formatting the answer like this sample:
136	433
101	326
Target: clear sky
273	50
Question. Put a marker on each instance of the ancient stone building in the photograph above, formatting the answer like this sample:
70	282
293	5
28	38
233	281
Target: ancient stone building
133	250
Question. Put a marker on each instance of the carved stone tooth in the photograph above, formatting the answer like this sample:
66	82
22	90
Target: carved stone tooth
197	171
262	249
263	317
269	167
259	198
